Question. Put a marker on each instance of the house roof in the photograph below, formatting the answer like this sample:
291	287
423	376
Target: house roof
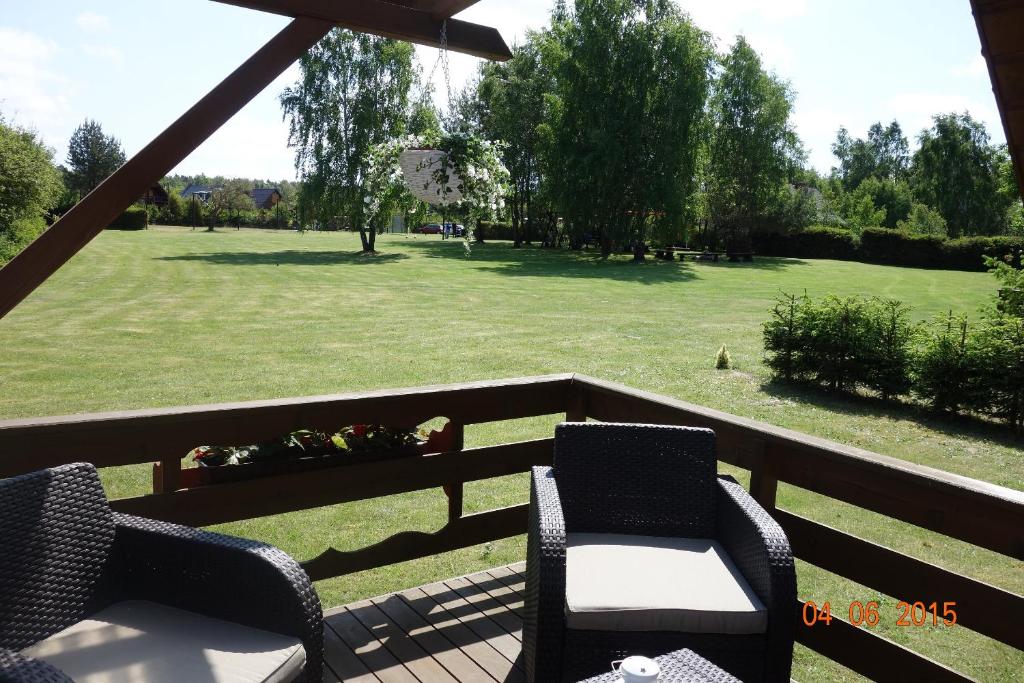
1001	27
262	195
156	194
197	189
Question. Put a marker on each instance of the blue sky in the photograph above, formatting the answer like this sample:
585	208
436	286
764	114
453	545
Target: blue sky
136	66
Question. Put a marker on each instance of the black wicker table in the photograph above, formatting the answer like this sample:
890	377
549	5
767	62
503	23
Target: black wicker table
681	666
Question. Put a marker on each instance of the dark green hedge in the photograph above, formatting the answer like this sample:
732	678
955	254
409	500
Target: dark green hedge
487	230
133	218
818	242
892	247
889	247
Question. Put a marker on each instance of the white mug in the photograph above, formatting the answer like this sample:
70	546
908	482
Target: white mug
637	670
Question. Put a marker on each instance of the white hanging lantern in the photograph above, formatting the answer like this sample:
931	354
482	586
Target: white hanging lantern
419	167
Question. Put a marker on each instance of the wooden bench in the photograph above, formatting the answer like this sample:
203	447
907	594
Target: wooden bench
699	255
737	256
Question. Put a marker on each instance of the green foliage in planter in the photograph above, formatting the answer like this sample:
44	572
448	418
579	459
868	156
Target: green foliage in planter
133	218
360	438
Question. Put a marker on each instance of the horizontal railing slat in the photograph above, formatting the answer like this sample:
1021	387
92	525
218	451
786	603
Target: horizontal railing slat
983	608
984	514
871	655
230	502
464	532
140	436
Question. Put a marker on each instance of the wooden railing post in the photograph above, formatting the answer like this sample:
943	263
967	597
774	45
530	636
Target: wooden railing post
576	410
167	475
455	489
763	483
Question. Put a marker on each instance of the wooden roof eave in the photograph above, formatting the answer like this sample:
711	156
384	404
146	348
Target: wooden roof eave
1001	27
399	21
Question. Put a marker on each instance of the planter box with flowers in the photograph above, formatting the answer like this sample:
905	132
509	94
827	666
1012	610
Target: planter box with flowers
305	450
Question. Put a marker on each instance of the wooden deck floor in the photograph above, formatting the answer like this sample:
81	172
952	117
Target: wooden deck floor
453	631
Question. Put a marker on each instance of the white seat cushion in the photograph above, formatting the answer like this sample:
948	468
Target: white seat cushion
616	582
143	641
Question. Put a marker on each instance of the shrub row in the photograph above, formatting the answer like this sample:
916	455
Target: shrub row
890	247
133	218
488	230
855	343
17	235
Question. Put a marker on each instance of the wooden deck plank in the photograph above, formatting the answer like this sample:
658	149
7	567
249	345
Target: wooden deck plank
370	651
478	622
517	582
493	608
461	630
480	651
448	655
500	590
342	662
400	644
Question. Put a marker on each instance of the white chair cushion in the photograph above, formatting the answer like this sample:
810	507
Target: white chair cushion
143	641
616	582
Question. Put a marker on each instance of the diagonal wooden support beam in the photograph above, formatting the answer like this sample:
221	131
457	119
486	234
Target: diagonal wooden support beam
80	225
393	20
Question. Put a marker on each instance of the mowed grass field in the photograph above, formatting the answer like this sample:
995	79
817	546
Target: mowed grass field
174	317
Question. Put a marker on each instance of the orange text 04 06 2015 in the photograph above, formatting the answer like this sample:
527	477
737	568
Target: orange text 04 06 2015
870	613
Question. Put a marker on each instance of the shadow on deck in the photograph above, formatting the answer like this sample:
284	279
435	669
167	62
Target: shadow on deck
453	631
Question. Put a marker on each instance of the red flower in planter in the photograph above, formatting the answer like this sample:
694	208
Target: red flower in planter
359	430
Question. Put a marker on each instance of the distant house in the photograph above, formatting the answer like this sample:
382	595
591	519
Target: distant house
265	197
200	192
155	196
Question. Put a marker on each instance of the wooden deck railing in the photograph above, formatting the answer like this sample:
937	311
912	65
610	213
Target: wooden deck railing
983	514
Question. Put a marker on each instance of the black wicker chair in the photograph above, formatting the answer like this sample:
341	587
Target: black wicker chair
652	481
64	556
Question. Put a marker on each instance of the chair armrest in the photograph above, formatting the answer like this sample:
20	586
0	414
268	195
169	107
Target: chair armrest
220	576
760	550
544	601
17	668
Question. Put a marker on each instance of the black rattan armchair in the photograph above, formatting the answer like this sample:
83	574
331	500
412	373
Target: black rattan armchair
661	482
65	557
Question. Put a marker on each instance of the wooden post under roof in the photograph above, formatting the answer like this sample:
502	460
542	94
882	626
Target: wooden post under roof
416	20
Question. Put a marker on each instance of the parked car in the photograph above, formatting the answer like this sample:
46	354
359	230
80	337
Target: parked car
458	230
430	229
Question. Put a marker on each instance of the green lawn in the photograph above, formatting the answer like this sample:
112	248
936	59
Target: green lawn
173	317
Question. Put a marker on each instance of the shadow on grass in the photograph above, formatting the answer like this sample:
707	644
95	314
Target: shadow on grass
962	426
290	257
530	261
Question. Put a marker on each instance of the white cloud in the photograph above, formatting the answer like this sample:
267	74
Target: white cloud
30	91
976	68
727	18
107	52
914	110
247	146
92	22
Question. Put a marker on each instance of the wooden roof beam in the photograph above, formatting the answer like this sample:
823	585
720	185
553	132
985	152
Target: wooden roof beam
394	20
41	259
